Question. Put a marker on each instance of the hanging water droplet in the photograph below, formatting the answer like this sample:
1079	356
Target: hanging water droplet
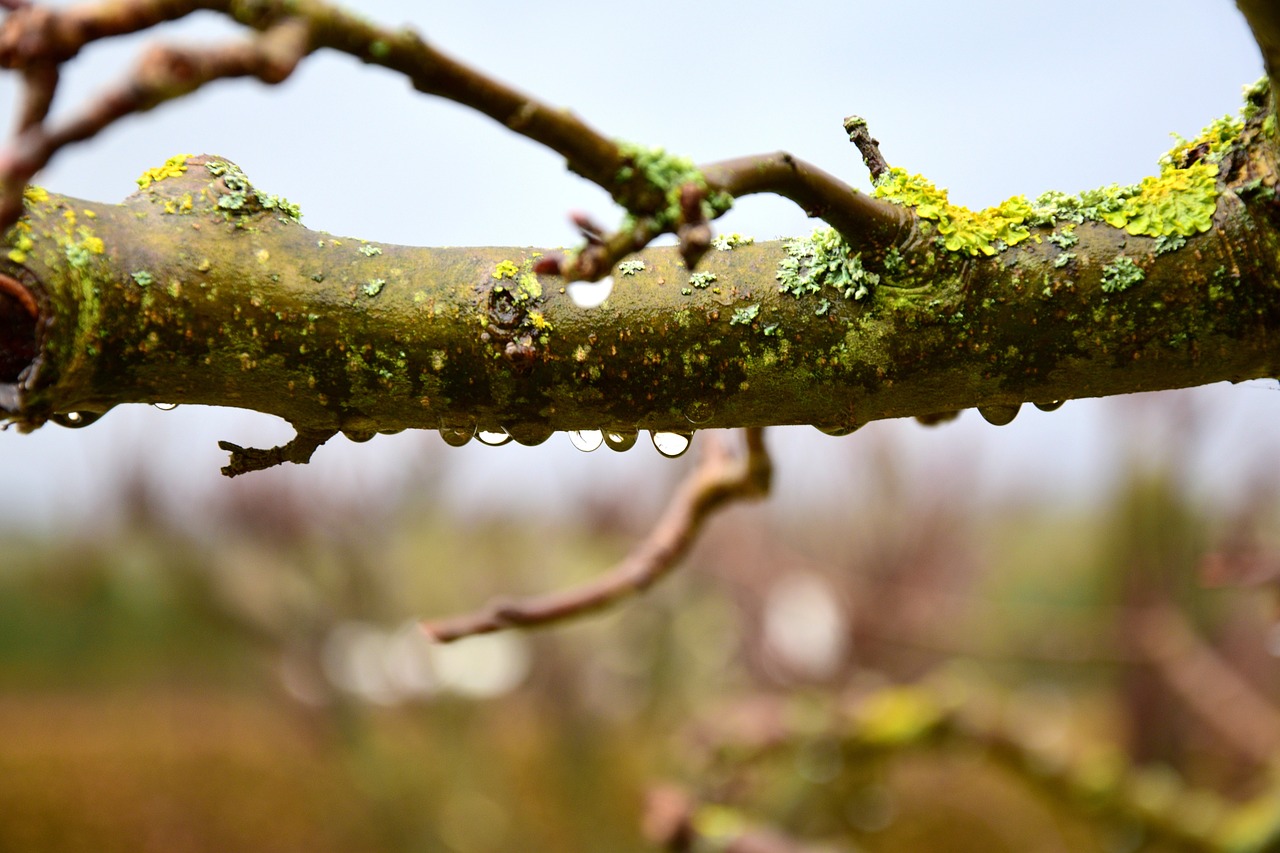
699	412
589	294
1050	407
586	440
999	415
837	429
359	436
620	440
493	438
672	444
530	435
937	418
75	420
165	407
457	436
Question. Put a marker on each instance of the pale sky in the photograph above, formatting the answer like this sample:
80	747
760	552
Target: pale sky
989	99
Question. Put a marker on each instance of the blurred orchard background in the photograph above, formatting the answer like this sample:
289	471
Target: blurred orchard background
1057	635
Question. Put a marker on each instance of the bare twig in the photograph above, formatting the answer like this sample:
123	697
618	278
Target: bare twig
719	479
297	450
164	73
36	40
860	219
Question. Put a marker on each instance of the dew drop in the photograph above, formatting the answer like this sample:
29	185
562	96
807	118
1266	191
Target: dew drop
586	440
457	436
589	294
999	415
492	438
359	436
620	440
837	429
1050	407
165	407
530	435
699	412
672	444
75	420
936	418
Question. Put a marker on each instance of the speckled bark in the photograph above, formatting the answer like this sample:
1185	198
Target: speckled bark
170	297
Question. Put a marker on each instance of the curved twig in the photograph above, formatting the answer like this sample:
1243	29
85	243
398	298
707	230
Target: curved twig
720	479
860	219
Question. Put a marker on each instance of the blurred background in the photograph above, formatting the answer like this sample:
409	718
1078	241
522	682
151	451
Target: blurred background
1057	635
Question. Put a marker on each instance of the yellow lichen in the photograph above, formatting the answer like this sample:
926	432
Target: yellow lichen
35	195
506	269
172	168
959	228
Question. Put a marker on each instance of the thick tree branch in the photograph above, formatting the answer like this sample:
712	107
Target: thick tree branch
719	480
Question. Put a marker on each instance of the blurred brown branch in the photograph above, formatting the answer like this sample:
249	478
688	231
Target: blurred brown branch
719	480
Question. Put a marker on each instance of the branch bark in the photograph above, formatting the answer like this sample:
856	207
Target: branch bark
202	289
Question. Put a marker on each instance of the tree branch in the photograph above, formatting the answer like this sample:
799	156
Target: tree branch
719	480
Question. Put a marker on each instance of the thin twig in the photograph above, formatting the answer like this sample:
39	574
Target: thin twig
860	135
719	480
860	219
163	73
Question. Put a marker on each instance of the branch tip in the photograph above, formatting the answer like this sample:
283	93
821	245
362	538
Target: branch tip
860	135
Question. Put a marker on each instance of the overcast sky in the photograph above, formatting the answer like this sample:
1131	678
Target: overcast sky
989	99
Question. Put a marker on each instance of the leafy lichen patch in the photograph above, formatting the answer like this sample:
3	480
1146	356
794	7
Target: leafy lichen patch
824	259
1121	274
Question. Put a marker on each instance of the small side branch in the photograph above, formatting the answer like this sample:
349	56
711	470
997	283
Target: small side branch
297	451
720	479
869	148
860	219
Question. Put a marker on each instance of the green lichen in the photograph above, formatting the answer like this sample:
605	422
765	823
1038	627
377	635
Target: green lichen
1064	239
631	267
1120	275
172	168
1064	259
369	251
1169	243
1178	202
824	259
702	279
142	278
729	242
373	287
745	316
667	173
242	196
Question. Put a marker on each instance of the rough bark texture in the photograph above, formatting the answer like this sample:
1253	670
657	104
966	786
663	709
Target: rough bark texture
200	289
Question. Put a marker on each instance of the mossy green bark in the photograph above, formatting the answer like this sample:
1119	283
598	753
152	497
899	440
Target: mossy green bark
186	294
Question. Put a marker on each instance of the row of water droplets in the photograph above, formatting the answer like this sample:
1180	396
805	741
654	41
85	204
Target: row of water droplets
669	443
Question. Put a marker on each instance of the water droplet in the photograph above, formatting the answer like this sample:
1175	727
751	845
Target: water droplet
1050	407
699	412
589	294
999	415
165	407
936	418
838	429
359	436
586	440
75	420
457	436
620	440
672	444
530	435
493	438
